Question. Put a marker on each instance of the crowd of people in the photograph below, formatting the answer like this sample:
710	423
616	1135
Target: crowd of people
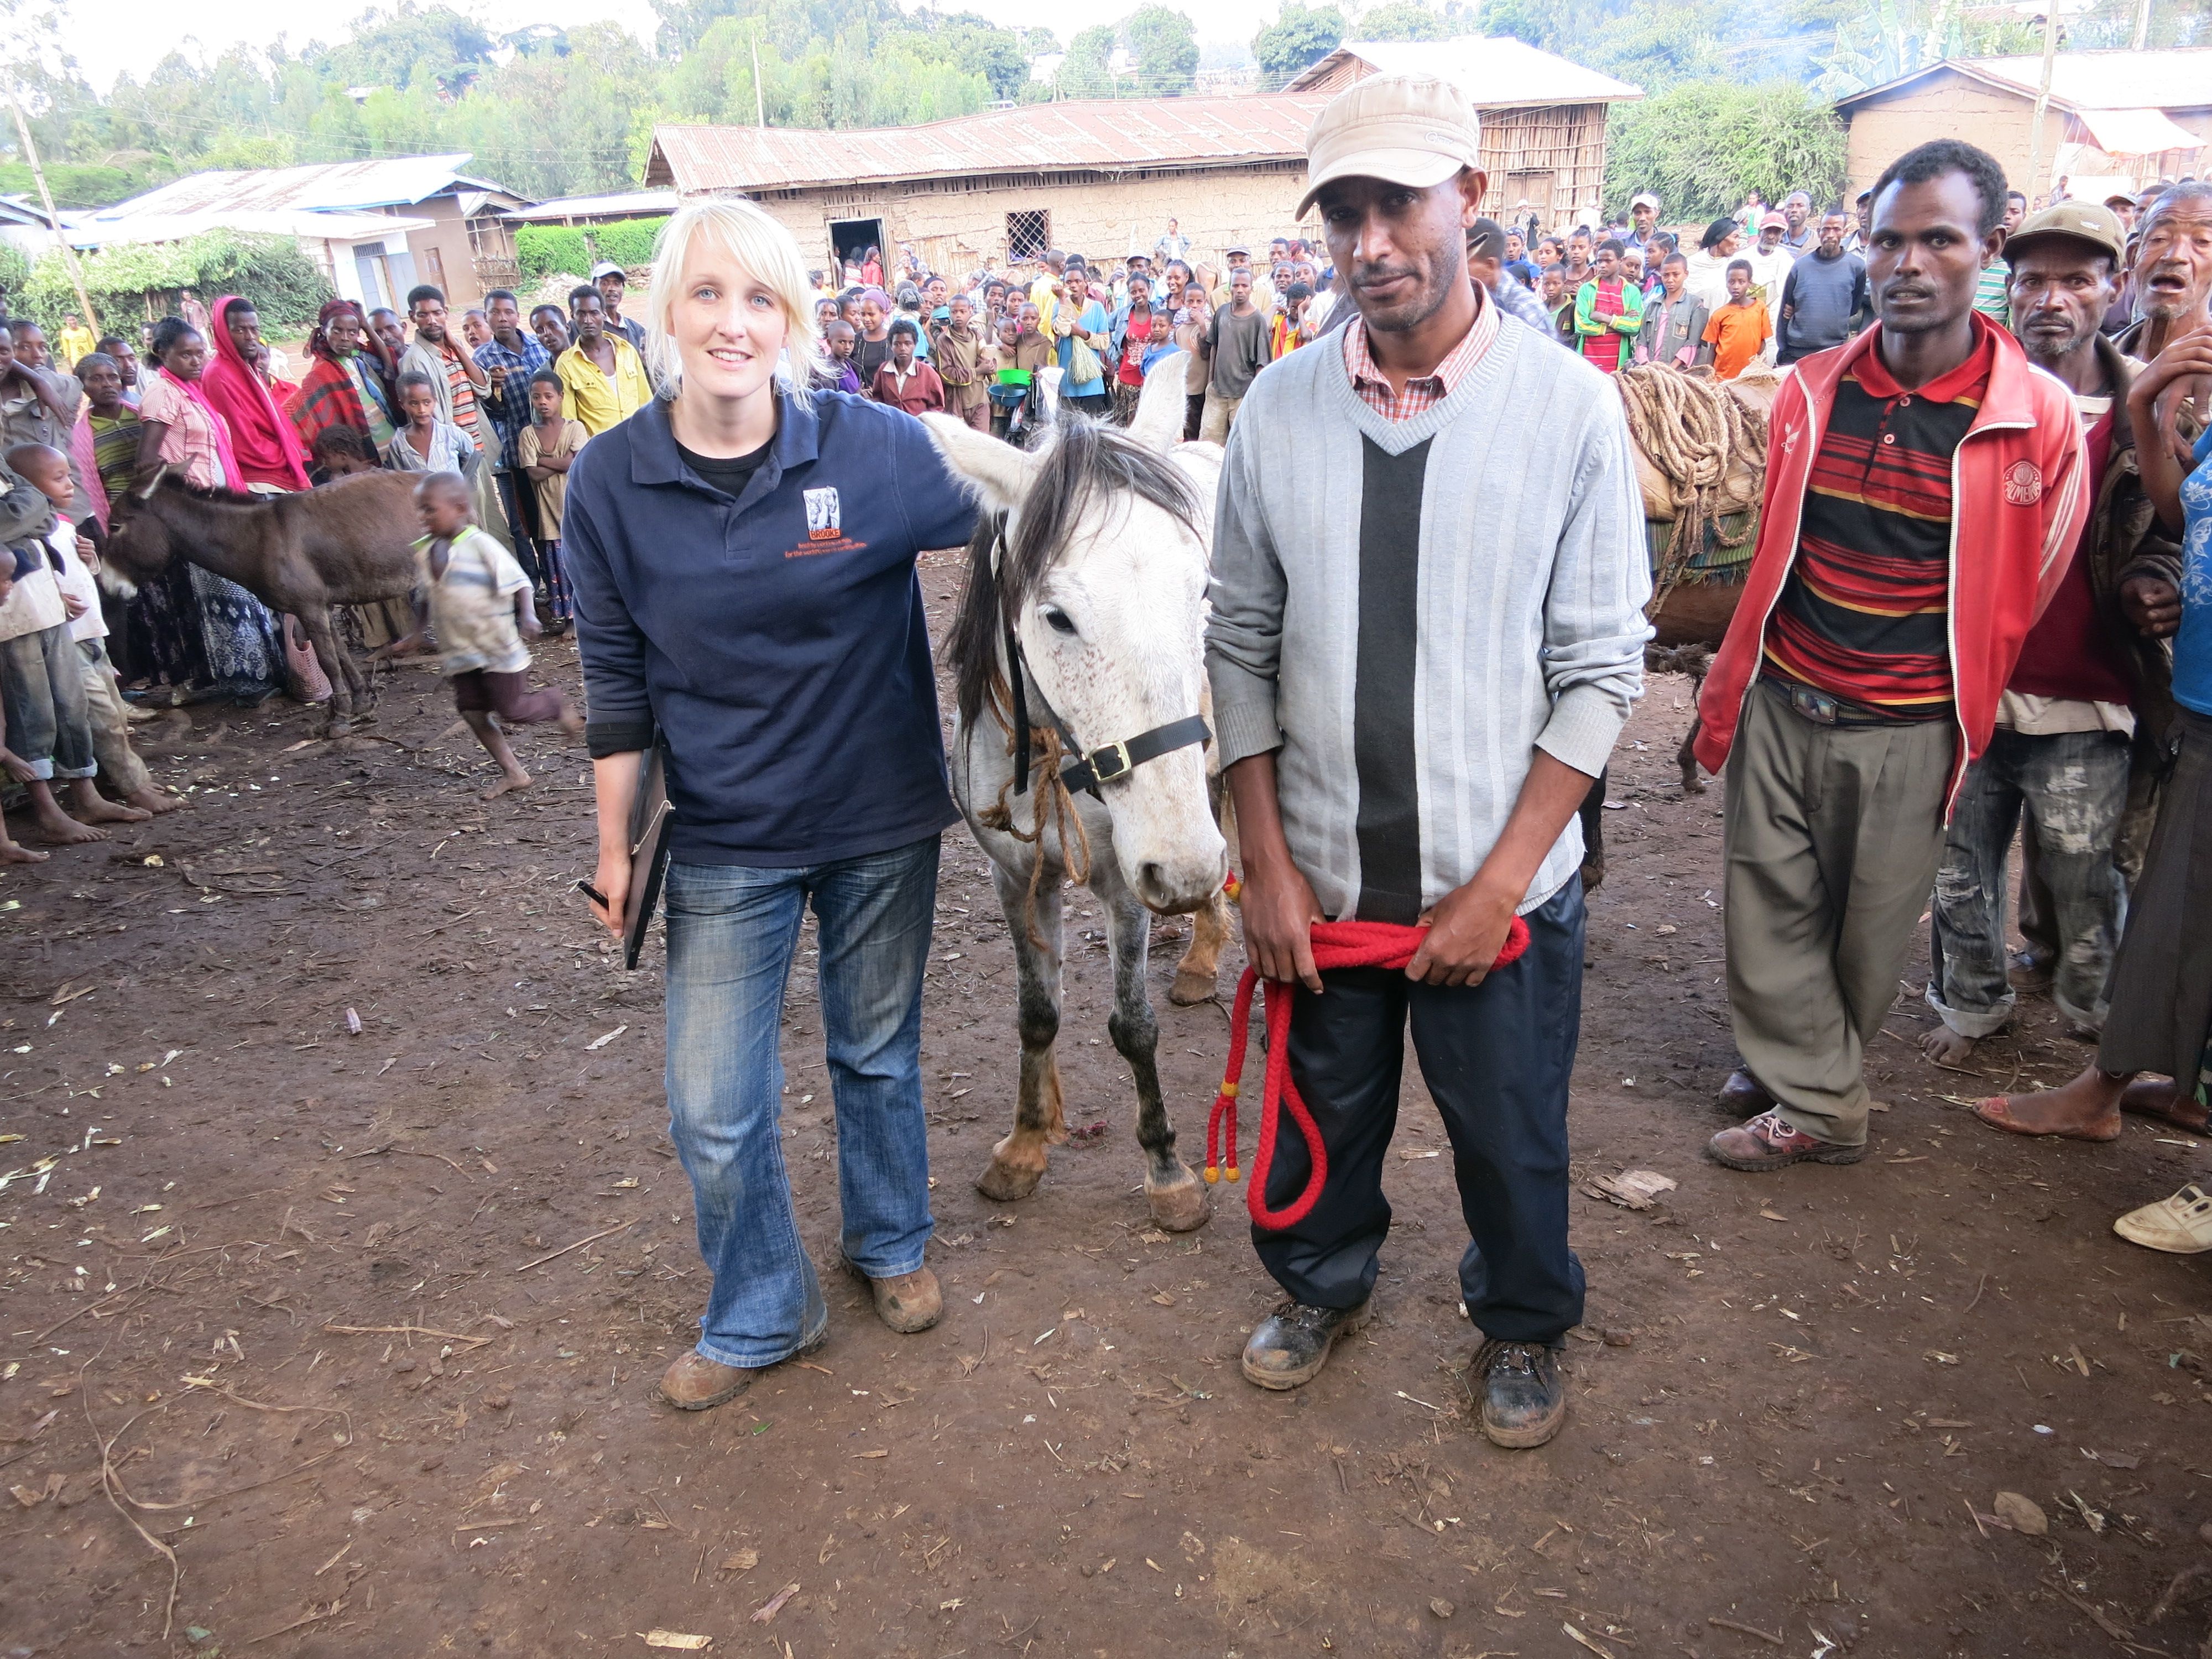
1979	604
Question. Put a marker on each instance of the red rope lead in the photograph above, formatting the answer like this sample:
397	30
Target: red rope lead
1335	944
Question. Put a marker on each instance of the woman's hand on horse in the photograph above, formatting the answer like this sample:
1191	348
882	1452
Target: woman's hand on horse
613	880
1279	911
1466	932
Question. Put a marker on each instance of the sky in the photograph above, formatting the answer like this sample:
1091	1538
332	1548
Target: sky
117	37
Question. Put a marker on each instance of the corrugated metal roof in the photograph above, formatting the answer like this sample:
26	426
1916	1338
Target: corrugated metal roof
334	185
1495	71
2178	78
304	223
617	205
1103	135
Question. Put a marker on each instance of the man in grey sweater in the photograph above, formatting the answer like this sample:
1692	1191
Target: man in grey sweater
1427	628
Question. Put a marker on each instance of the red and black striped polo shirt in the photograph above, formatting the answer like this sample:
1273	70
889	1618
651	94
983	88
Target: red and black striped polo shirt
1864	615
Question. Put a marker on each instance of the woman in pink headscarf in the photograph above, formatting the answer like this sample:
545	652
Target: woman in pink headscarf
266	443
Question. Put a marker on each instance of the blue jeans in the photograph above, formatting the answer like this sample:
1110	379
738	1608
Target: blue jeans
2073	787
49	725
732	930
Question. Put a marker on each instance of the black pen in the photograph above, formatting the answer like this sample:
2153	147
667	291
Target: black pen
592	894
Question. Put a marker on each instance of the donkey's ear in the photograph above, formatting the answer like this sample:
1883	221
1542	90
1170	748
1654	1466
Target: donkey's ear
996	473
1158	423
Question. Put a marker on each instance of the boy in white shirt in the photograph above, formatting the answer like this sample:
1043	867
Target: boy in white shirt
49	727
473	597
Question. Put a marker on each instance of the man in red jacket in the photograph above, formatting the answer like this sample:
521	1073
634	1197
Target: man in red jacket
1924	487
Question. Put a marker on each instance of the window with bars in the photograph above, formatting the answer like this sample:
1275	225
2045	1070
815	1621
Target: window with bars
1028	233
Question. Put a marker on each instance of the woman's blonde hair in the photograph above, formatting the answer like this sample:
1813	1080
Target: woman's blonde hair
767	253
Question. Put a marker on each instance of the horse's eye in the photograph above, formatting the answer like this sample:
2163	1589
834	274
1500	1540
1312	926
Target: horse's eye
1059	622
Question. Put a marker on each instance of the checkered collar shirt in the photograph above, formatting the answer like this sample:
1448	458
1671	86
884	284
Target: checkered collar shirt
1423	391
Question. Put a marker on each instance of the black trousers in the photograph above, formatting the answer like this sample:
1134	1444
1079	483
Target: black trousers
1497	1057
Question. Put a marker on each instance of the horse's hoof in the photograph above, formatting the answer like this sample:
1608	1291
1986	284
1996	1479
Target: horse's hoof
1592	875
1180	1206
1692	784
1191	988
1006	1183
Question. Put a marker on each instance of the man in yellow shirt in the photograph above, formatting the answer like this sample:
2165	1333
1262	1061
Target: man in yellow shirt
74	340
1043	291
602	378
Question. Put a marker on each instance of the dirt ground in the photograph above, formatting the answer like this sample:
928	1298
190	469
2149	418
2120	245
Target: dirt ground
364	1328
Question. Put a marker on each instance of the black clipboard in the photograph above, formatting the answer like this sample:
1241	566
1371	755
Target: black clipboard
648	852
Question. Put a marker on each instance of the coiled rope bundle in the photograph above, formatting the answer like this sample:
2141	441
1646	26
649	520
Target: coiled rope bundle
1335	944
1693	431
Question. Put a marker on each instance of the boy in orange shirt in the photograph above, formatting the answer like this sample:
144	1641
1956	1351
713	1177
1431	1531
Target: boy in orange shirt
1738	330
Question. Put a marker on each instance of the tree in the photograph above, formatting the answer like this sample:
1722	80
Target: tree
1701	148
1406	20
1300	35
1165	45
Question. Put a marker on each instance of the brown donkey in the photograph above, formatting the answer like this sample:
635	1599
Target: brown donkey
347	543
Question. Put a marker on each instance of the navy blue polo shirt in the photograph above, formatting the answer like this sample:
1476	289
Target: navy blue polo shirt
777	641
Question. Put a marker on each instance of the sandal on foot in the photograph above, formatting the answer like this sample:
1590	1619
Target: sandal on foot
2180	1225
1994	1112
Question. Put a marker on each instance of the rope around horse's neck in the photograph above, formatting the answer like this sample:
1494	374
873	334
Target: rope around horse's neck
1335	944
1055	805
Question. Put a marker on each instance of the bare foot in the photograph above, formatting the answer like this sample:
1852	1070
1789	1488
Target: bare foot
571	721
1947	1048
154	802
507	785
16	853
88	805
2087	1108
60	829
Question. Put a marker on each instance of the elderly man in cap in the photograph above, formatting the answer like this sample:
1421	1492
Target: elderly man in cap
2172	270
1403	756
2086	712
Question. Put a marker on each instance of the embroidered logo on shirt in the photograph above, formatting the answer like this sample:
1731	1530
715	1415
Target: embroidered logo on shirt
824	515
2023	483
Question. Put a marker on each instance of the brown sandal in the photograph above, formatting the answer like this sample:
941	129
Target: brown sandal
1992	1112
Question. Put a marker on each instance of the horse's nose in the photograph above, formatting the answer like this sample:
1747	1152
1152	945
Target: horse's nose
1174	889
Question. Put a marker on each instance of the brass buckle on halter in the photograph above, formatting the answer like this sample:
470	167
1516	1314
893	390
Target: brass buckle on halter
1110	762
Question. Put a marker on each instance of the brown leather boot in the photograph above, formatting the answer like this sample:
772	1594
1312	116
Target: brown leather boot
697	1383
909	1303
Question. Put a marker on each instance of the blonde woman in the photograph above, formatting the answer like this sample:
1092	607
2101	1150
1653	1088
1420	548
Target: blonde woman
743	558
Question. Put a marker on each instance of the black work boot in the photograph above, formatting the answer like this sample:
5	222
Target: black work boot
1517	1387
1290	1345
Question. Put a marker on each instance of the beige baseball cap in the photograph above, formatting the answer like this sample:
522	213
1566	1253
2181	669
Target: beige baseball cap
2081	221
1413	130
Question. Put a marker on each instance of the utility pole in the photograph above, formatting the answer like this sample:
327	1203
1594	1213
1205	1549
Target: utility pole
2143	25
54	218
2035	183
760	98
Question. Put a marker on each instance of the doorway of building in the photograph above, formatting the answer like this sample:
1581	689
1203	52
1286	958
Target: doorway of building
851	239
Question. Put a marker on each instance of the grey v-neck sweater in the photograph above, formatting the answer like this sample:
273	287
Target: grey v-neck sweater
1406	610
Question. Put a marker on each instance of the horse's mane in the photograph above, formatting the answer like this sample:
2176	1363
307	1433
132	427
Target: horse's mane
1084	462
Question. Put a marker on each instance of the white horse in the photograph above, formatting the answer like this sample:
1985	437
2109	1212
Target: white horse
1081	625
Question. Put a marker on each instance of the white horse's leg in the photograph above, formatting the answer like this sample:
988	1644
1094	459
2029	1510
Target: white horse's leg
1209	927
1017	1162
1177	1197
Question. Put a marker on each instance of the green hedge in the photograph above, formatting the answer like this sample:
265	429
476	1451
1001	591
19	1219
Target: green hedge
135	282
543	250
629	244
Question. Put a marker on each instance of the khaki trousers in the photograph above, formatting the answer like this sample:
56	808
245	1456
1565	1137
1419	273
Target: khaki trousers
1220	415
110	721
1831	839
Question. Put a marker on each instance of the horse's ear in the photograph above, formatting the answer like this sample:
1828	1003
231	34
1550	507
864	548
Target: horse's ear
154	483
1161	406
996	473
